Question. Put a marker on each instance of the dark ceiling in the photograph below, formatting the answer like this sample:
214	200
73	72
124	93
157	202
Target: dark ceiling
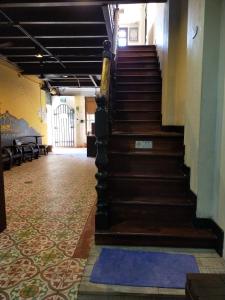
68	35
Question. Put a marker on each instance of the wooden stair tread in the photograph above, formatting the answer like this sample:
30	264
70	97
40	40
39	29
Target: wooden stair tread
156	200
142	69
136	50
136	46
138	100
138	121
146	152
141	75
139	92
137	110
138	61
150	134
132	175
139	83
138	228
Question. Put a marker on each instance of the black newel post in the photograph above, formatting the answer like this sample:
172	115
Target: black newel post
102	137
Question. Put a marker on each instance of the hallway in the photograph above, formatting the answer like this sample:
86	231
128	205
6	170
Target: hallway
48	203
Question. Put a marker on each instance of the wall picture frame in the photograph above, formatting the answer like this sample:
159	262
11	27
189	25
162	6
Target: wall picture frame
133	34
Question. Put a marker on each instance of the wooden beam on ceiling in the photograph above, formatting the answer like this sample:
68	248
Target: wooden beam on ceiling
54	43
55	14
76	69
15	29
67	52
28	35
65	3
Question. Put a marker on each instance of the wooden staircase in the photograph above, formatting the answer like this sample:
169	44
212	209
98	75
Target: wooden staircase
150	201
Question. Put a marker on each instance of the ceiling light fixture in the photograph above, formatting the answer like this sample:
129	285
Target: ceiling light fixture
39	55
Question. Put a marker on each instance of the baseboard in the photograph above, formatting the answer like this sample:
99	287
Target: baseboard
173	128
206	223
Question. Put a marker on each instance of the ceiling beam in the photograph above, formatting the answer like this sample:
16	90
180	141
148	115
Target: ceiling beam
57	37
59	52
52	29
36	42
72	69
55	23
93	81
54	43
55	14
66	3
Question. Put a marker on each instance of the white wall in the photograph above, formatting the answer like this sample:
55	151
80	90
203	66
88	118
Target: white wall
133	16
219	164
208	109
204	90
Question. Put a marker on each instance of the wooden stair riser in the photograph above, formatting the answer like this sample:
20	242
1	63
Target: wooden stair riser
133	95
152	215
138	48
135	126
145	105
140	71
123	187
140	87
136	78
155	240
141	59
138	115
149	64
143	164
127	143
137	54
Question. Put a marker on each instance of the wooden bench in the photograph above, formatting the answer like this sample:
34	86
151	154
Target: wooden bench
29	148
205	287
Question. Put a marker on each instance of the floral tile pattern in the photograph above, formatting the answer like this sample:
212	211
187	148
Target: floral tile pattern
48	204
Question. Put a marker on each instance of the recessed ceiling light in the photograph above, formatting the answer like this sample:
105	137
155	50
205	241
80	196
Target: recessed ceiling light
39	55
65	76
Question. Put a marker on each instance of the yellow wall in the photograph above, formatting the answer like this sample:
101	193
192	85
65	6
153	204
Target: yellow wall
20	96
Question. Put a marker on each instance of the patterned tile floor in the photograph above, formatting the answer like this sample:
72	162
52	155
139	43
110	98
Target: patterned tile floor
48	203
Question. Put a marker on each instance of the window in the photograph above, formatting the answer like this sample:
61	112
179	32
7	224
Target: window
122	37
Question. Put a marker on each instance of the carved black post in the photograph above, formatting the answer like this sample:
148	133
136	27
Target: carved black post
102	136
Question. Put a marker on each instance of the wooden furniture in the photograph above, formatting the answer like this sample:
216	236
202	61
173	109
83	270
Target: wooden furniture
205	287
36	139
91	147
29	150
7	159
2	197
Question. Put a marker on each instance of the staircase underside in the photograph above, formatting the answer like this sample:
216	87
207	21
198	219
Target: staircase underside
149	202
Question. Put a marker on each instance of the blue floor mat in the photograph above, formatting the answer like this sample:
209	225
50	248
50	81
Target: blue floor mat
143	269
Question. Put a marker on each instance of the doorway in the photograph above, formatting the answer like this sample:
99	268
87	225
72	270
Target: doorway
63	129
